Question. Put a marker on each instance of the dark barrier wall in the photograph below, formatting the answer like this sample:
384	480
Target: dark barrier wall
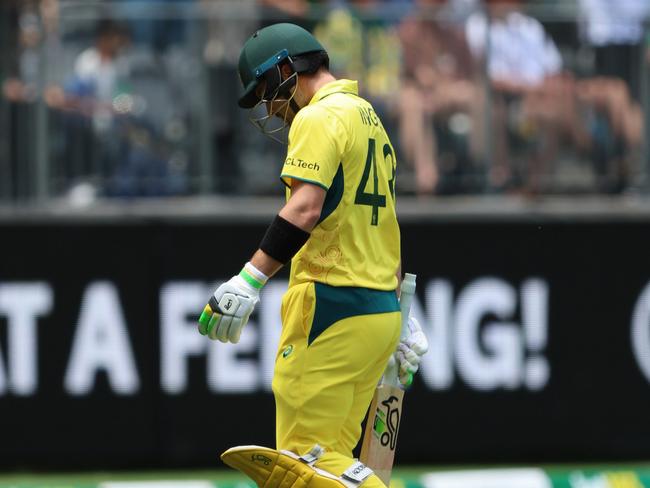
540	344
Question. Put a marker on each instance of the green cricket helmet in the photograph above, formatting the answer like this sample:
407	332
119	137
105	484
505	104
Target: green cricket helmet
266	50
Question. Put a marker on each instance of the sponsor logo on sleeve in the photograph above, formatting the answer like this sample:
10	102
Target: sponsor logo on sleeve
301	163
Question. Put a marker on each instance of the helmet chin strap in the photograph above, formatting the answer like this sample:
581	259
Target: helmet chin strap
284	90
276	87
294	106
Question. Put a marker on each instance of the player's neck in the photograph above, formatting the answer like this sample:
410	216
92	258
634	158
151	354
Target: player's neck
310	84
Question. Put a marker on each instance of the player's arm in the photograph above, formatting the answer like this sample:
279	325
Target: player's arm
232	303
303	211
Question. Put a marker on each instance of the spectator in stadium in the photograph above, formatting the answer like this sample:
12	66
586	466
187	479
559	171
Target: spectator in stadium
614	29
157	33
615	125
21	86
525	70
31	43
106	141
83	104
99	68
437	89
363	37
292	11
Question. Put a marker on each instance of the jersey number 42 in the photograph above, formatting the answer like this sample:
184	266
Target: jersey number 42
375	199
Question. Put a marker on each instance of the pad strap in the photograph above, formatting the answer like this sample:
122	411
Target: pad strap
357	473
313	455
283	240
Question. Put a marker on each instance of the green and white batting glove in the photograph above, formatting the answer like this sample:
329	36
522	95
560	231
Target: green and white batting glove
410	351
231	305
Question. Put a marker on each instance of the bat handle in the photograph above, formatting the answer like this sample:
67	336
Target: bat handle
405	300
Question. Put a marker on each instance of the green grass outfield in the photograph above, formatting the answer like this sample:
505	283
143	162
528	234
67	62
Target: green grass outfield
635	475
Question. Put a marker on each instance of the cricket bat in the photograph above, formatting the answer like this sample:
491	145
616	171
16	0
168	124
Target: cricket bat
380	436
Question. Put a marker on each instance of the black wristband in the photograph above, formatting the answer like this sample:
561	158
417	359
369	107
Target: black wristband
283	240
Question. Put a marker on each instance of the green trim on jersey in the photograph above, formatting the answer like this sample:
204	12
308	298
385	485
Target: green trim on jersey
284	175
334	303
334	195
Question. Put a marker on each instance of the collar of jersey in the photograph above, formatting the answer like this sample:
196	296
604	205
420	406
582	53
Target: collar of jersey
338	86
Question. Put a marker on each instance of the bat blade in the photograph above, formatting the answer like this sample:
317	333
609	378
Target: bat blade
380	436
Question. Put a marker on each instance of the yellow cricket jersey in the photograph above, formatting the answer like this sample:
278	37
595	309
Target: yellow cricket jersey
339	143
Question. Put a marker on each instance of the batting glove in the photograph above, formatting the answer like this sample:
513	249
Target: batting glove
410	351
231	305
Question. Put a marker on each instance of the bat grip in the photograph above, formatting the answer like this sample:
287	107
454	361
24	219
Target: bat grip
405	300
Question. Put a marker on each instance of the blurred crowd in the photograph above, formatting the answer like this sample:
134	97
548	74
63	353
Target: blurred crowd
137	98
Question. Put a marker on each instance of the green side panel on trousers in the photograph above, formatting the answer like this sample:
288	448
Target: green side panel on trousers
334	303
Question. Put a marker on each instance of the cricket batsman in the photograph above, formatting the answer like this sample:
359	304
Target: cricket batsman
340	315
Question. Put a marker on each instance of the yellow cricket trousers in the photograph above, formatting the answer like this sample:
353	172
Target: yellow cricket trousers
334	346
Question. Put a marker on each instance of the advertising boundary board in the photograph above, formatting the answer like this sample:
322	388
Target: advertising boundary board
539	332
